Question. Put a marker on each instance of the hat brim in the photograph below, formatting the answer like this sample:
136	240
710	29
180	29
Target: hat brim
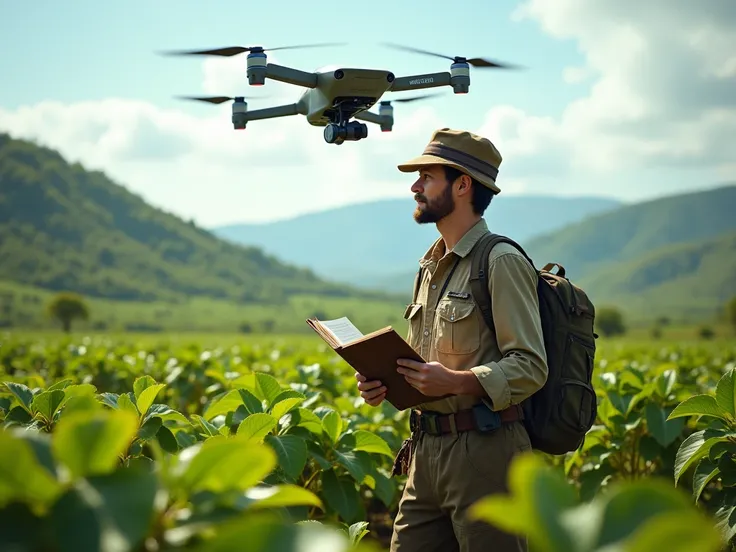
418	163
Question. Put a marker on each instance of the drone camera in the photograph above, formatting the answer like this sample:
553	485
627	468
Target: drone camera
256	68
390	77
460	77
240	110
351	131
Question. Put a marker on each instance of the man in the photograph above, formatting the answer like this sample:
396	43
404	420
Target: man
451	468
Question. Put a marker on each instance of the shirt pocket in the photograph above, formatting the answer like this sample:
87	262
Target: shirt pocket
457	330
412	315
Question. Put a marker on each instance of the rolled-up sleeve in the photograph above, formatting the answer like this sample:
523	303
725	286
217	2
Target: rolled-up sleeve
512	283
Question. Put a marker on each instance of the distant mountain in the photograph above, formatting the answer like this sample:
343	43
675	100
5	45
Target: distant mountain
375	244
65	228
689	279
609	239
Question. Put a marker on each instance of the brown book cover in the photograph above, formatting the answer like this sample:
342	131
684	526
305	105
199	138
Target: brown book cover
373	355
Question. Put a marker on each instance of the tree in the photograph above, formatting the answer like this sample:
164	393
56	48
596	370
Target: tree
66	307
609	321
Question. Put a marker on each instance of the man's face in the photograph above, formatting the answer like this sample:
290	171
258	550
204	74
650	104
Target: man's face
433	194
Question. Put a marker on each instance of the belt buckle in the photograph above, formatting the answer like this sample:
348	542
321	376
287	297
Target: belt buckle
485	418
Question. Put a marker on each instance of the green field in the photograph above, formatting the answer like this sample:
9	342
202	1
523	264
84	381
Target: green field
198	441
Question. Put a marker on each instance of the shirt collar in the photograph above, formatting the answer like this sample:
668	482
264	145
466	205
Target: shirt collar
437	250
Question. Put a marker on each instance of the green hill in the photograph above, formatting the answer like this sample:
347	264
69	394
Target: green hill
673	255
684	280
634	230
375	244
66	228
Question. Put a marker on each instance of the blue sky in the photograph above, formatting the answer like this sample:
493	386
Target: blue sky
578	120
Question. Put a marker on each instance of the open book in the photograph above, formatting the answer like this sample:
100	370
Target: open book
373	355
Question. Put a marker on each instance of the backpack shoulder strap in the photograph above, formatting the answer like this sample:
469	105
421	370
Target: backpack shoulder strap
479	271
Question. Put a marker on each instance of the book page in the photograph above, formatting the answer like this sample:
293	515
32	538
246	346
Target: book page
342	329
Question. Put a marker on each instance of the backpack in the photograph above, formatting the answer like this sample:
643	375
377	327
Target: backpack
558	416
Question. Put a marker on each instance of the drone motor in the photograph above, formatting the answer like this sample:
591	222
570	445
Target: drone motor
386	114
240	111
460	77
256	70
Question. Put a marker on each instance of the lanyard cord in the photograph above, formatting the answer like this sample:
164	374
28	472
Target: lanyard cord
447	281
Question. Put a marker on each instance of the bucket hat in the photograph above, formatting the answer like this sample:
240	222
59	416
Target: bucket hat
468	152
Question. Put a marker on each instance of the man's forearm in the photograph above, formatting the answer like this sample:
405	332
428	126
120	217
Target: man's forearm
468	384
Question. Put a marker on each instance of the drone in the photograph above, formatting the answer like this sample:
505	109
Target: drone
336	95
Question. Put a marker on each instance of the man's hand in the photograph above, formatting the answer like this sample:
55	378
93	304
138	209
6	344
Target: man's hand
431	378
373	392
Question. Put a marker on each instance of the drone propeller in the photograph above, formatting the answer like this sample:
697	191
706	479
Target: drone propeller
235	50
413	98
475	62
214	99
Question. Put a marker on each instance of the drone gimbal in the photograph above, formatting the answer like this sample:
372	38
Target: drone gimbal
334	96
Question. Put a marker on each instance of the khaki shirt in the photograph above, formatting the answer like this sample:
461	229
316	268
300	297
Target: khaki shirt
512	364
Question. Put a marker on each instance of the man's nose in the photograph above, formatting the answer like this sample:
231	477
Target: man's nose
416	187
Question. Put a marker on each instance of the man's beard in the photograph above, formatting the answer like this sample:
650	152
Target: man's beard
436	210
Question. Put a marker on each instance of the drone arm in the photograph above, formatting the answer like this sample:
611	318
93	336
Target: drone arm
291	76
370	117
416	82
273	112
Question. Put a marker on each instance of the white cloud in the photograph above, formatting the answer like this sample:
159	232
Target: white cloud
663	76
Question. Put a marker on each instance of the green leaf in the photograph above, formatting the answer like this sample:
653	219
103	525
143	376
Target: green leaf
725	396
301	417
699	405
692	449
167	440
357	464
145	399
166	413
341	495
250	401
332	425
370	442
256	426
224	463
22	476
705	471
228	402
125	402
91	443
677	531
22	393
106	513
47	403
142	383
285	401
291	451
535	507
149	429
278	496
664	431
267	387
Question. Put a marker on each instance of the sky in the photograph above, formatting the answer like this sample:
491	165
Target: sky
616	98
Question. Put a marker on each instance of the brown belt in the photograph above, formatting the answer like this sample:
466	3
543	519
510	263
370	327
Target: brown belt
480	418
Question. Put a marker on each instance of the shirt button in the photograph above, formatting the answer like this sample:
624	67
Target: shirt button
426	332
434	286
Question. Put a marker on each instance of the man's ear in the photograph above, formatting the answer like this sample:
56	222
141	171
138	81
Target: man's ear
465	184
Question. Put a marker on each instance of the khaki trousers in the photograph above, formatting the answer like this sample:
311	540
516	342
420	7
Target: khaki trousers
447	474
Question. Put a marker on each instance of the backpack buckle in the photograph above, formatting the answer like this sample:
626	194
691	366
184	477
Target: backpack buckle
485	418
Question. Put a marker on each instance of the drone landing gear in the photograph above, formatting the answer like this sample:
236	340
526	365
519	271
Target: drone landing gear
341	128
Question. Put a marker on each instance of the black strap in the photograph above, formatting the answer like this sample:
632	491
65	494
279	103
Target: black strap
447	281
418	281
479	271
